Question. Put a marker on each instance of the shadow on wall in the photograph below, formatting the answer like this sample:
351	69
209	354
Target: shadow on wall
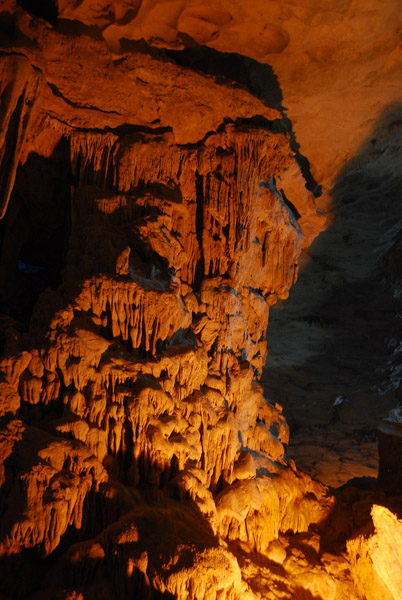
34	231
342	321
45	9
258	78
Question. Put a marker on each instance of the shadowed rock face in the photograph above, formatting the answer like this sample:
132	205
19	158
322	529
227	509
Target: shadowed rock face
152	213
339	333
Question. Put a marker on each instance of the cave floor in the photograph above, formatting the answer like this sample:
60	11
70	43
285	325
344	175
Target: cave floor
336	374
333	364
331	443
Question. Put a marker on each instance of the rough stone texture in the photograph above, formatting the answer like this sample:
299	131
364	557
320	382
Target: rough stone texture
376	559
338	63
141	367
153	211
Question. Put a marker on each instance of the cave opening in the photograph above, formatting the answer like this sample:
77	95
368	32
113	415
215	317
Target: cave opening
35	231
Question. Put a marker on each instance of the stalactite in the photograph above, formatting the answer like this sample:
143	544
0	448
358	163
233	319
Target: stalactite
138	374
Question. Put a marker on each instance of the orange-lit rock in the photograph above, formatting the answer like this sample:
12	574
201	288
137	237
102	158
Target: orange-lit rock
152	214
334	61
377	558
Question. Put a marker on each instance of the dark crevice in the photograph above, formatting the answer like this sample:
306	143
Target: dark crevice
58	93
199	226
44	9
127	129
257	292
302	161
74	28
227	68
11	139
242	124
290	206
34	232
258	78
121	130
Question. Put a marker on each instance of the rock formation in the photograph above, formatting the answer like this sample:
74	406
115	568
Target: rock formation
376	557
152	214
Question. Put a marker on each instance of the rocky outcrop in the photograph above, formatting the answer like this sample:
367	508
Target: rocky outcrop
376	558
152	215
158	347
334	61
141	368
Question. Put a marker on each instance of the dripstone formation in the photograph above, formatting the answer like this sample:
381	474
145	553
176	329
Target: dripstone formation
151	216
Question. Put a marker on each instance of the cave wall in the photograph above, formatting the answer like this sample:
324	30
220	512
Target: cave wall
154	209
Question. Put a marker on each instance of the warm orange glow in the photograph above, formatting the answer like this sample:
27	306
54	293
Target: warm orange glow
161	164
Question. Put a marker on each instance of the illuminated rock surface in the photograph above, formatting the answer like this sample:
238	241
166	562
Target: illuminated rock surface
376	558
155	205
